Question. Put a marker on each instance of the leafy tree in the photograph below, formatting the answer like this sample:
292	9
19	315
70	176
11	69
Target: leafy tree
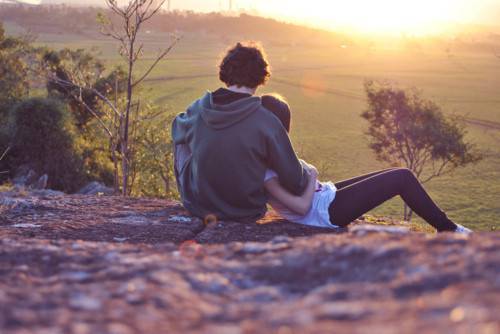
44	138
14	85
408	130
21	65
121	118
152	170
14	69
86	78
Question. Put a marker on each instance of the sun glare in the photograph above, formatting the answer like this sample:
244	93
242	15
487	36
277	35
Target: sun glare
417	17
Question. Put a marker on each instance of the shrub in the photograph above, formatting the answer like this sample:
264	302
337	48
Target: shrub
43	137
408	130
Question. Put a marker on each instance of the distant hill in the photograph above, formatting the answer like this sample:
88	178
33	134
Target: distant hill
77	3
54	18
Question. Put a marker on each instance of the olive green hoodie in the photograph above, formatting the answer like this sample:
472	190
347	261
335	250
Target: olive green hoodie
227	150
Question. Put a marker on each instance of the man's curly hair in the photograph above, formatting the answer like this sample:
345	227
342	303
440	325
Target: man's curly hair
246	65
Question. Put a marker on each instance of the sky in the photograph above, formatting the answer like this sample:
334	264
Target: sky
417	17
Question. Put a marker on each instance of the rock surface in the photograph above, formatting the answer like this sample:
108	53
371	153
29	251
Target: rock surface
96	188
85	264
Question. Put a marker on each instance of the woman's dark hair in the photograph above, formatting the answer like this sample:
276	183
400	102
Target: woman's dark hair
245	65
277	105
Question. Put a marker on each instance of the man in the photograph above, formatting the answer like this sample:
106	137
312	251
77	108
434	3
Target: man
226	140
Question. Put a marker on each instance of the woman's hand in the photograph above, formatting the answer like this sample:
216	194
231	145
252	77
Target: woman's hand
312	171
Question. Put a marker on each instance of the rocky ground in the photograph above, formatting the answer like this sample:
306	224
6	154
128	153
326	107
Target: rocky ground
90	264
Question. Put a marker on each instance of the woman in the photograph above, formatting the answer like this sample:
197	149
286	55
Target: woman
337	205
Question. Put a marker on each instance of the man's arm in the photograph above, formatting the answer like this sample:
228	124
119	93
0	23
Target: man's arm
283	160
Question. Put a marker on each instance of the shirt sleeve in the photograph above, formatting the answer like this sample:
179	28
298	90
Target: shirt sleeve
270	174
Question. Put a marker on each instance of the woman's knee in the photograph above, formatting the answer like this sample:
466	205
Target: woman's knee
406	174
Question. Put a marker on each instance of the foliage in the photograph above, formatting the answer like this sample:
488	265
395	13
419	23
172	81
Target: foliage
85	75
44	138
121	118
14	78
408	130
152	168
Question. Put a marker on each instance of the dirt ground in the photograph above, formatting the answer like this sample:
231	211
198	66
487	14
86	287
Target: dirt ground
83	264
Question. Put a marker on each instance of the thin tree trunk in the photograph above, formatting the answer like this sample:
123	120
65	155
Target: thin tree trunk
125	136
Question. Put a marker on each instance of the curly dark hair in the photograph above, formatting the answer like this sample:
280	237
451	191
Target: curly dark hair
246	65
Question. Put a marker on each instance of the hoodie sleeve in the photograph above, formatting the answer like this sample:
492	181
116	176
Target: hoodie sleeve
181	127
283	160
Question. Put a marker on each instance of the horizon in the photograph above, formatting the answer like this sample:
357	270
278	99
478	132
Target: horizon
386	17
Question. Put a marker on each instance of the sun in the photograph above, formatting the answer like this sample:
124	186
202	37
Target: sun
416	17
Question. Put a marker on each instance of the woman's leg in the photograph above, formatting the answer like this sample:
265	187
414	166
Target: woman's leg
358	198
348	182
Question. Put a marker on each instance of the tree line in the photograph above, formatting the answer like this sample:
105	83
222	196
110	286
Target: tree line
82	20
63	113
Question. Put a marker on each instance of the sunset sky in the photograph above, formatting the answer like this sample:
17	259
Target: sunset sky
414	16
417	17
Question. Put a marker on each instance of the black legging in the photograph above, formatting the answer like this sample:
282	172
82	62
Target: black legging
361	194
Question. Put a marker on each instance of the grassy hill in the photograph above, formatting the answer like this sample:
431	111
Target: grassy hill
321	74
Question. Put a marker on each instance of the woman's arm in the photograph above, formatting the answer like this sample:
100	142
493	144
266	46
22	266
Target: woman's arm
299	204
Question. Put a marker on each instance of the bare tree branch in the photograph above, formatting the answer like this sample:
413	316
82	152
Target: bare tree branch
5	153
65	84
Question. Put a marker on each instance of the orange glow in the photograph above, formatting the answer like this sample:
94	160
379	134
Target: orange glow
381	16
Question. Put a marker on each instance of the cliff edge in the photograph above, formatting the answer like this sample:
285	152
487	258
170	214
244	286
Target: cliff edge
90	264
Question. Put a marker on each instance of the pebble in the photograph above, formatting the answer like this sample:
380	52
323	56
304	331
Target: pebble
76	276
84	302
281	238
342	311
364	229
179	219
26	225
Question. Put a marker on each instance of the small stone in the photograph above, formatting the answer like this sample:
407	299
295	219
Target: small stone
117	328
96	188
76	276
281	238
364	229
111	256
254	248
26	225
86	303
342	311
179	219
41	183
77	246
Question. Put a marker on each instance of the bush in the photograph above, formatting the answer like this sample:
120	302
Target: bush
408	130
4	148
43	137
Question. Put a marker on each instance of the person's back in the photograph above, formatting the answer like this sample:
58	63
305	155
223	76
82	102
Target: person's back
228	142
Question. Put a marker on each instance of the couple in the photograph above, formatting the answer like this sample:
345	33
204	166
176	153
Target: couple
233	156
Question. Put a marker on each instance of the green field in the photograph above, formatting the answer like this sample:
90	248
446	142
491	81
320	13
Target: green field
324	85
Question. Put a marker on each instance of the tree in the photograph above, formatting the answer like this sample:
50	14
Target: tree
16	56
153	171
44	138
121	118
407	130
14	69
82	69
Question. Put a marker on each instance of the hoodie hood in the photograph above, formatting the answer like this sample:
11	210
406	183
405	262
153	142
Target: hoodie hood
221	116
